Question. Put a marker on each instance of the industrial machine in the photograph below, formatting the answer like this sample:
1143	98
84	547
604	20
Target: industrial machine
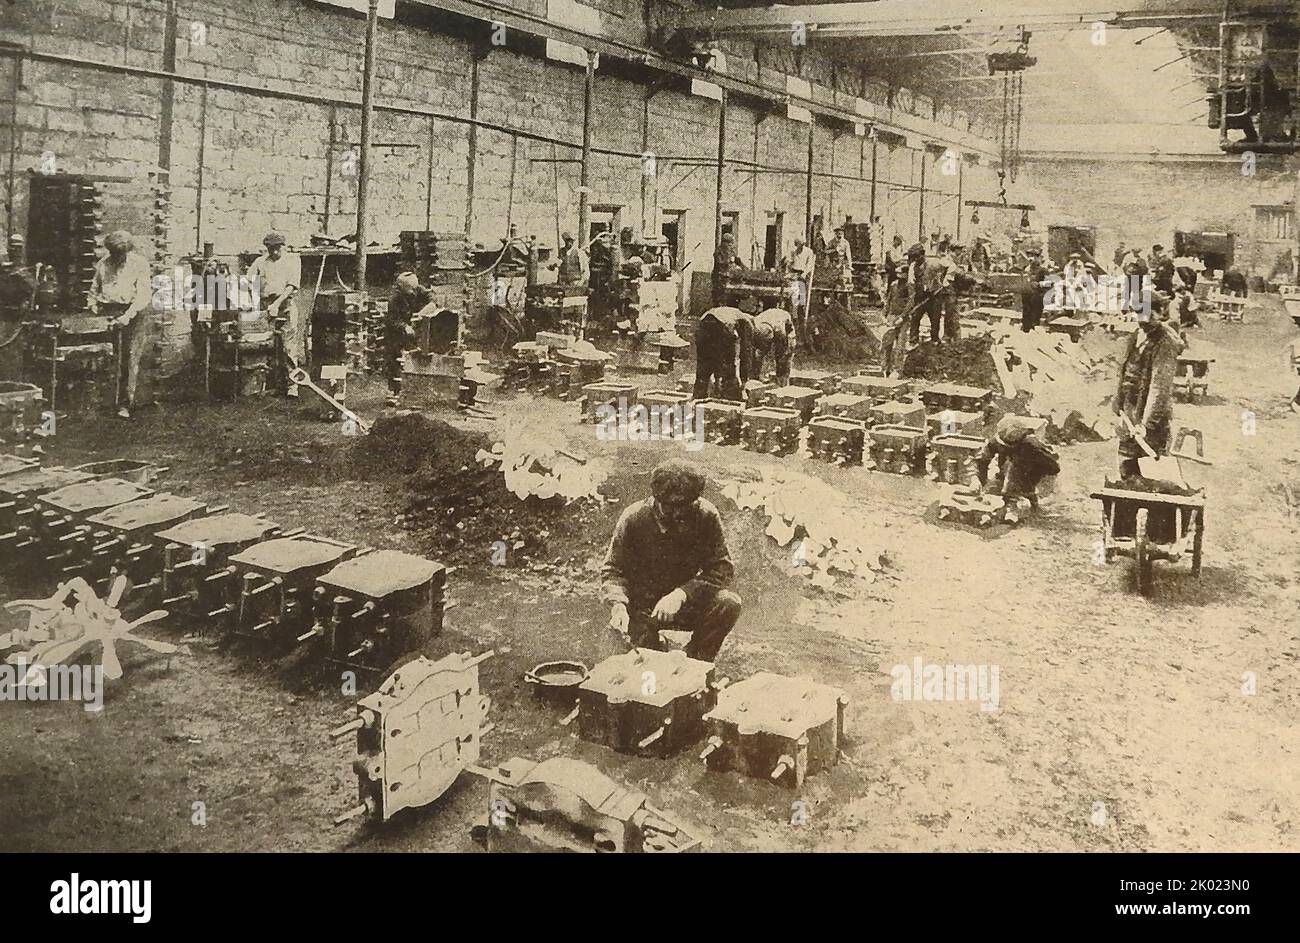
1257	89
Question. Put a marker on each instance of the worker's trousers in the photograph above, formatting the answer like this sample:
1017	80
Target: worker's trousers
941	308
130	351
782	357
709	617
716	349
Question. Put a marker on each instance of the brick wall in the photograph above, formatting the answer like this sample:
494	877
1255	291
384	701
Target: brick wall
268	164
1142	201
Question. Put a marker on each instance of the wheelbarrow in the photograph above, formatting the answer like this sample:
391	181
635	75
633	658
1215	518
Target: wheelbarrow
1148	527
1165	523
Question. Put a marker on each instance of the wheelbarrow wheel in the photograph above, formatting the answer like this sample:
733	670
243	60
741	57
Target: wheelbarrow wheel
1142	555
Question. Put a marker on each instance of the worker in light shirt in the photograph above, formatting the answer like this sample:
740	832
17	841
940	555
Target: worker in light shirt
121	291
274	278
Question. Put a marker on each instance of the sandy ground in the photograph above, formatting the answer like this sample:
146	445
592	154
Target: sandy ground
1121	722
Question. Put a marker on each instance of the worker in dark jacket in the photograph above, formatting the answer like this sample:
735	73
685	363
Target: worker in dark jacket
668	566
1031	294
724	351
1023	460
1144	399
409	298
1234	283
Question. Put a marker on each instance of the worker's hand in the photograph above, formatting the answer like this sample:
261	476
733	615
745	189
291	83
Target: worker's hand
667	608
124	320
618	618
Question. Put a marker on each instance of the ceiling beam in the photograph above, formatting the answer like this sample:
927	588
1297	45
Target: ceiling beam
952	17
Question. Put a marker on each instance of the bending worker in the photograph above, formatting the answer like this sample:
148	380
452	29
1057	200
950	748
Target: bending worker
668	566
121	291
773	332
1023	460
724	344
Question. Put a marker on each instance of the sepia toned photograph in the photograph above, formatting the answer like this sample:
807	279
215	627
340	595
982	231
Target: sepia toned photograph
651	426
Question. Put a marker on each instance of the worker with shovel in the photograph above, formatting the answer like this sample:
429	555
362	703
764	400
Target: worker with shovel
1144	399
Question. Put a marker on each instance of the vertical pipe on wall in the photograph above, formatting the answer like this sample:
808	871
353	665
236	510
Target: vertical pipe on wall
428	183
808	184
646	228
11	198
510	194
471	156
830	202
168	102
584	188
961	174
753	195
722	158
203	150
921	221
329	167
874	143
367	120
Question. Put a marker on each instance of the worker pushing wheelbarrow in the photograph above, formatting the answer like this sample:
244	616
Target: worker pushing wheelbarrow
1151	513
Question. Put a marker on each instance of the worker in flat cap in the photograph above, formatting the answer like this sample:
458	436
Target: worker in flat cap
121	291
1023	460
274	277
409	298
668	566
574	265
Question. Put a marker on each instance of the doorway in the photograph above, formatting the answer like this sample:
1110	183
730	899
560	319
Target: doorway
773	240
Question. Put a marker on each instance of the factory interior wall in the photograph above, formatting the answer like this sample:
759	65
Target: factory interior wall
1143	201
265	162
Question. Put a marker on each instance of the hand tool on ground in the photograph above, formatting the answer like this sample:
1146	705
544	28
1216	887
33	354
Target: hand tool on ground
301	377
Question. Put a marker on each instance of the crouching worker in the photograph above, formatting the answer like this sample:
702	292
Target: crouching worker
774	334
668	566
1023	461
